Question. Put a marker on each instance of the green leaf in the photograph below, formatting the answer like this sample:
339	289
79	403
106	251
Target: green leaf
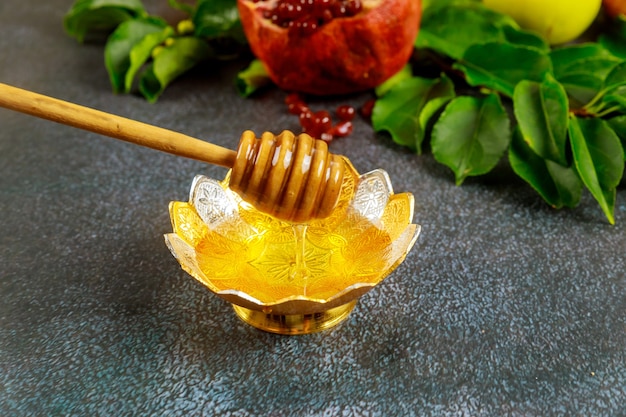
558	185
428	6
619	99
571	58
252	78
174	60
541	111
120	44
218	18
405	73
471	135
616	77
451	28
520	37
582	69
94	18
581	88
618	124
179	5
428	116
599	160
599	66
613	37
406	109
501	66
613	102
614	44
142	51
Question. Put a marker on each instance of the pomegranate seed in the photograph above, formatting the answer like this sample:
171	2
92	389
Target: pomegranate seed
297	108
342	129
293	98
338	9
326	137
314	133
345	112
319	124
307	121
308	15
323	120
311	124
353	7
368	107
295	104
306	26
326	16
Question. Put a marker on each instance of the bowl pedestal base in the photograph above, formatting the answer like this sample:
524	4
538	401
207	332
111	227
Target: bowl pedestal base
292	324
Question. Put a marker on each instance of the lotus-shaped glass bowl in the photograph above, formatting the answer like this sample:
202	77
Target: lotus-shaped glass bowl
292	278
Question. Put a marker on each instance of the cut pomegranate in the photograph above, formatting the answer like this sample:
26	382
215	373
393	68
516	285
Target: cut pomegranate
327	47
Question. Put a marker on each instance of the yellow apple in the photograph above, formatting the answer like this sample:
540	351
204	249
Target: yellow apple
558	21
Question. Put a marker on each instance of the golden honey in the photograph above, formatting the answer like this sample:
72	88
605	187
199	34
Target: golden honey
290	277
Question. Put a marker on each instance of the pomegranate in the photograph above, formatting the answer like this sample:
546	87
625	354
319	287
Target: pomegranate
327	47
614	8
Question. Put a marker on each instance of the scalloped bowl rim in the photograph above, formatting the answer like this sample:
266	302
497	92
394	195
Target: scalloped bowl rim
301	304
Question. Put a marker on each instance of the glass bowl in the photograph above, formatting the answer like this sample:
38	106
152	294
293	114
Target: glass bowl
291	278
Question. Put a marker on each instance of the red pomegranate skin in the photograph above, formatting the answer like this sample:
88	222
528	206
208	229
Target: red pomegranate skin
345	55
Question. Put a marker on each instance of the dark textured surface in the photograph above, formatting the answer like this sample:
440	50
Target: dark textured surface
504	306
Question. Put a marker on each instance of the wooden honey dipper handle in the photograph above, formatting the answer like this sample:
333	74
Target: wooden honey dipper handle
117	127
292	178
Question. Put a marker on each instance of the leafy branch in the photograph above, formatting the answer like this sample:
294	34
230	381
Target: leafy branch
144	51
558	114
567	127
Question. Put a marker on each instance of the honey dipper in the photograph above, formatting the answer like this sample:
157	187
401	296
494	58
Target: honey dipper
290	177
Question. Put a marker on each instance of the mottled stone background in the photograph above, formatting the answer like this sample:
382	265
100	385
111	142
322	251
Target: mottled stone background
504	306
